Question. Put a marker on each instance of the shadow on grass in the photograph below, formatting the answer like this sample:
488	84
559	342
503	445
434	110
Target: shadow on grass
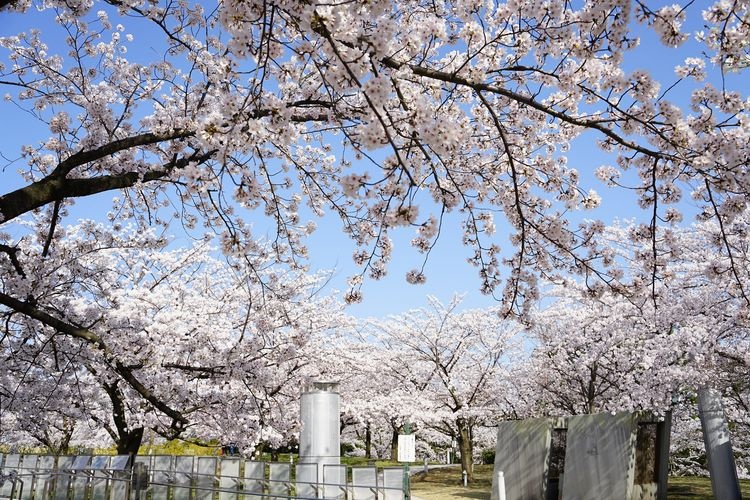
473	494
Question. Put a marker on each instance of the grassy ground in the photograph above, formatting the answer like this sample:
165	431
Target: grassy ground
444	484
441	484
695	488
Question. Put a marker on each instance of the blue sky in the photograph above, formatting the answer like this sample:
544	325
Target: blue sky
447	271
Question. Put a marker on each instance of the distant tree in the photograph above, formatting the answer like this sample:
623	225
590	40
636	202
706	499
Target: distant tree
50	408
376	403
457	361
593	356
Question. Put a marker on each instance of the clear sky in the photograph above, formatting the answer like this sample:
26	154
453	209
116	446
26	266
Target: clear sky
447	272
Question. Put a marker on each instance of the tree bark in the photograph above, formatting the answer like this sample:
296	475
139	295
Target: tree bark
466	447
394	445
56	186
129	439
130	442
368	441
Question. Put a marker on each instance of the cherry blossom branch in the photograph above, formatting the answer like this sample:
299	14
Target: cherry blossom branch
725	240
89	337
528	101
52	226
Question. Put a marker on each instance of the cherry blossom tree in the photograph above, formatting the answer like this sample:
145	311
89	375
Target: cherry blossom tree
604	355
600	351
378	397
692	320
143	337
388	114
458	360
45	407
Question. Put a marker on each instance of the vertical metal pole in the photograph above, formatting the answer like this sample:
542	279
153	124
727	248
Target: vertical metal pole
724	481
407	478
407	483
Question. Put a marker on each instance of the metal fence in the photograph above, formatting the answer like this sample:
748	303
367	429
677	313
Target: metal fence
165	477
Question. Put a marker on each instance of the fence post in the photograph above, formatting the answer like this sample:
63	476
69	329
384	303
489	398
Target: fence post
140	479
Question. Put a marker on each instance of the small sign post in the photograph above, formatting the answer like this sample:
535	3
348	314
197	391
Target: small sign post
406	448
407	453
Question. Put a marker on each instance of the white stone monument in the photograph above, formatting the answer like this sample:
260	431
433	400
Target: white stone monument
721	466
600	456
521	455
320	437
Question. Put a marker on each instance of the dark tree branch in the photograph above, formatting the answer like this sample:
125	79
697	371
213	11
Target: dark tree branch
90	337
11	252
55	188
52	226
527	101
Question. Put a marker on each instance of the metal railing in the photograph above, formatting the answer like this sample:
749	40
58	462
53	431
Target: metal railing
33	477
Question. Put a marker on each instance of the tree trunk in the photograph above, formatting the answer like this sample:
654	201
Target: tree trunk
591	392
129	442
57	447
466	448
128	439
394	445
368	441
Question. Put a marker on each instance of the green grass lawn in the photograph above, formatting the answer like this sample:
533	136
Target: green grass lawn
698	488
443	484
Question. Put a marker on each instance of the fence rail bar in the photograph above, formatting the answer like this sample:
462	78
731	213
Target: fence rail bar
44	477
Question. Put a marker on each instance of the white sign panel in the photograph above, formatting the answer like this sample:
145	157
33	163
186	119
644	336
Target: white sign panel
406	448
